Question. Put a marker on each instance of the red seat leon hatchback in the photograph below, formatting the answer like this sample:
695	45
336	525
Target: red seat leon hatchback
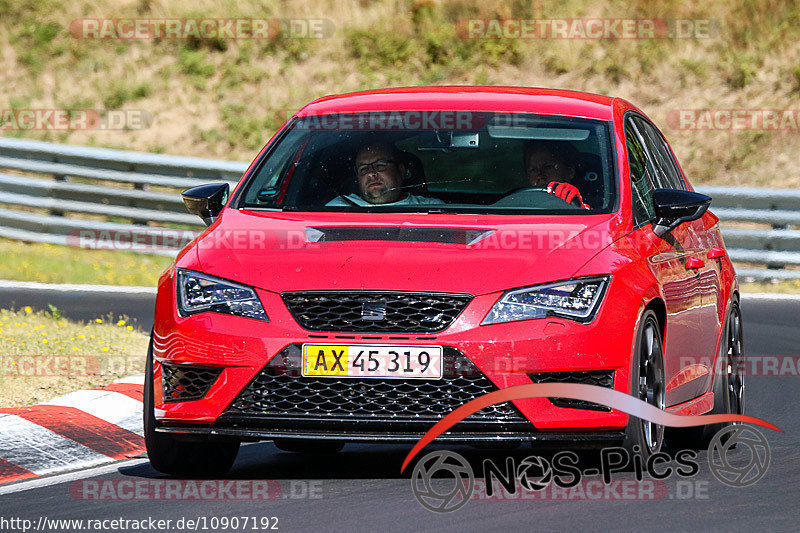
391	255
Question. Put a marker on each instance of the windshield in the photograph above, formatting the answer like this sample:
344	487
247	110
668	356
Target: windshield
449	161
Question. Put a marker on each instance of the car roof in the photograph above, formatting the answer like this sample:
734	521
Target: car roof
469	98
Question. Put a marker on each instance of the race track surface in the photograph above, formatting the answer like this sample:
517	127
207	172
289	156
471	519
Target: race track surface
361	488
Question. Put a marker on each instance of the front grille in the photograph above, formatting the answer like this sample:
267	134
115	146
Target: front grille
279	390
375	312
182	382
600	378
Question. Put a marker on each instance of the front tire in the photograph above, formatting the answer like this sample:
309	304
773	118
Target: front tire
647	384
177	457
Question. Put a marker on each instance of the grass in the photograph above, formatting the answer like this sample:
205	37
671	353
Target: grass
223	98
49	263
45	355
218	97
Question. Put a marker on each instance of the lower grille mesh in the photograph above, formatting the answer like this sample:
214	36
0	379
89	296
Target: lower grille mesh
280	390
600	378
183	383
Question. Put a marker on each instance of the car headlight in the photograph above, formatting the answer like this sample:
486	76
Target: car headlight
200	292
576	299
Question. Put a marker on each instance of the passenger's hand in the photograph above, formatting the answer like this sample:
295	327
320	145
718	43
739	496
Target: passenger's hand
567	192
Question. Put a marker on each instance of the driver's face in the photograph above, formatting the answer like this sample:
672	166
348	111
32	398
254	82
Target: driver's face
379	175
542	167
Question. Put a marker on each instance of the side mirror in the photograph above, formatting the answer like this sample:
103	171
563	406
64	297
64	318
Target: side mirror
674	207
206	201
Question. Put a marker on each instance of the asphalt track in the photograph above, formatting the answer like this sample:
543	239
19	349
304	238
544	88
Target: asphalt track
361	489
84	305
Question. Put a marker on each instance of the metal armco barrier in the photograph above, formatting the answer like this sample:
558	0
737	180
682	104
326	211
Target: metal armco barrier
777	246
133	193
101	198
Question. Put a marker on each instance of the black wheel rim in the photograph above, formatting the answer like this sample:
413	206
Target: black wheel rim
735	362
651	382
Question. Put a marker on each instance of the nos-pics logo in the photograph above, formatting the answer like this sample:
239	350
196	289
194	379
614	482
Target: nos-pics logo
443	481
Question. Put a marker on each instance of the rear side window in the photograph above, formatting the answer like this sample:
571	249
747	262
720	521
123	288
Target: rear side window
666	169
642	182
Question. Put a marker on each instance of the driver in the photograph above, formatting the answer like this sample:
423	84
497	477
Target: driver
380	172
548	164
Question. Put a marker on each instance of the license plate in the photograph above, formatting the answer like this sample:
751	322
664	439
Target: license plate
372	361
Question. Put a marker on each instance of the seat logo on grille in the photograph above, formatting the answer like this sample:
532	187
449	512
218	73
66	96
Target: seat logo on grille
373	310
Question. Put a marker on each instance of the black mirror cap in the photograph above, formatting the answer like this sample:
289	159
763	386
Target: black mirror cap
674	207
206	201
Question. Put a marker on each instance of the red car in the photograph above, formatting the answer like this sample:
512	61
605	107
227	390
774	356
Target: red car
393	254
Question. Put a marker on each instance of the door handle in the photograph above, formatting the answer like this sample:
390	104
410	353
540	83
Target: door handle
694	263
716	253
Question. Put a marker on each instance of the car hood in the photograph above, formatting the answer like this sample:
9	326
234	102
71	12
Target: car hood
411	252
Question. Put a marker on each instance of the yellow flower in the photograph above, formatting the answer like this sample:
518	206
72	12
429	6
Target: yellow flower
129	328
81	336
28	309
44	341
105	349
98	320
60	323
121	323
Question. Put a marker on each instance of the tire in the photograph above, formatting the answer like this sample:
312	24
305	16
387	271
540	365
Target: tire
728	386
647	383
309	445
175	456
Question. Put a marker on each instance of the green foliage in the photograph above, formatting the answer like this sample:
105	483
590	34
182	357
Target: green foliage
119	91
242	128
54	311
193	63
35	44
380	50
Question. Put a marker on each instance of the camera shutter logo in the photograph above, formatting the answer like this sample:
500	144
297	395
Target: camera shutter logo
456	487
535	473
744	470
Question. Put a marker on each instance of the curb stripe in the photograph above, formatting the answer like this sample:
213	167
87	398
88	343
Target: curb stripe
40	450
130	390
138	379
90	431
113	407
12	472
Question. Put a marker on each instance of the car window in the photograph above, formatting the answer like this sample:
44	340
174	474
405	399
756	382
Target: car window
667	173
642	182
456	161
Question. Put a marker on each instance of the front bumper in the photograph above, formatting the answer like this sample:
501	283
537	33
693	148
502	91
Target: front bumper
503	354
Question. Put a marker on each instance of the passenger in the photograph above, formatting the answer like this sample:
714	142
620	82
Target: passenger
380	173
549	164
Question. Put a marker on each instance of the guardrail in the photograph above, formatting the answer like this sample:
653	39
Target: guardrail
64	190
98	197
770	239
